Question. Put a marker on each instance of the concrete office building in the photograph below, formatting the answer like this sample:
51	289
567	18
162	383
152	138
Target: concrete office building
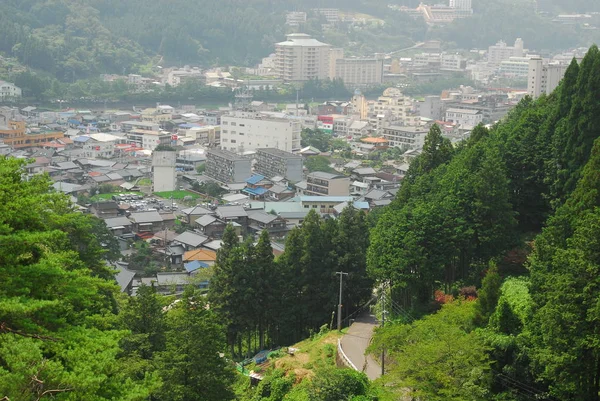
247	131
359	71
164	177
405	137
227	167
301	58
272	162
500	52
320	183
543	78
464	117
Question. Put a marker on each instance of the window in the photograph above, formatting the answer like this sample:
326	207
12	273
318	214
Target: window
233	141
224	139
322	206
306	206
233	124
240	133
314	206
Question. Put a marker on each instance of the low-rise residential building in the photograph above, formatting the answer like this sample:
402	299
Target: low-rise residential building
320	183
9	91
147	222
226	166
272	162
323	204
464	117
148	140
405	136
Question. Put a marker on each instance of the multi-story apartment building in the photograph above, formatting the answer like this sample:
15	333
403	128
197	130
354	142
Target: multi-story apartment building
464	117
452	62
461	4
500	52
127	126
359	71
148	140
295	18
301	58
9	91
272	162
13	131
246	131
543	78
98	145
405	136
332	15
320	183
227	167
515	67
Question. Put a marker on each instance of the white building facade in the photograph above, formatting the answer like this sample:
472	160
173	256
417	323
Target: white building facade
163	169
9	91
543	78
242	132
302	58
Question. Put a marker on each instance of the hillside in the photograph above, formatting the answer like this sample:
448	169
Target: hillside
76	40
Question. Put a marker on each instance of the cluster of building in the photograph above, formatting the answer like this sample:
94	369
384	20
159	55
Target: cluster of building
437	14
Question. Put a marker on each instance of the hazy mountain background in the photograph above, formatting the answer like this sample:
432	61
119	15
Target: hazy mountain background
77	39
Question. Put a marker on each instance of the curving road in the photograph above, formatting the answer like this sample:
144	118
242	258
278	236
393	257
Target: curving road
355	343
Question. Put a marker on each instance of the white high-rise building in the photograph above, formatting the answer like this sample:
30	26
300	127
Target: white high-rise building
460	4
544	78
302	58
163	167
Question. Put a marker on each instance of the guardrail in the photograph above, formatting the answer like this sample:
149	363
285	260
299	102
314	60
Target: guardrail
345	358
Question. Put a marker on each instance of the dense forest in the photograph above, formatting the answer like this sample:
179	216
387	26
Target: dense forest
512	211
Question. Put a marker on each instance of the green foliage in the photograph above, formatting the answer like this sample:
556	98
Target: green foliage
319	163
201	168
439	357
317	139
163	148
188	366
488	295
58	328
333	384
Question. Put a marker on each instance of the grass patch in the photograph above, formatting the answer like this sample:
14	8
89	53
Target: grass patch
176	194
145	182
313	353
101	197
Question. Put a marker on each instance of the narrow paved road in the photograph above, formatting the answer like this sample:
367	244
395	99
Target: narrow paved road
356	341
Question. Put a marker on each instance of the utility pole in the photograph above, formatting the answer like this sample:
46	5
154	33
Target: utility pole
383	312
339	319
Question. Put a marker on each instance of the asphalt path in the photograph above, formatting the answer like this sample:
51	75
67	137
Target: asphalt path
356	341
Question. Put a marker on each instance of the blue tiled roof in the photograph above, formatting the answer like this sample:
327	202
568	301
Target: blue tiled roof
255	179
194	265
361	205
255	191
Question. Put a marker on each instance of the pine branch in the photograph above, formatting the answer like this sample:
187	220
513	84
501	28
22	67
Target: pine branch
5	329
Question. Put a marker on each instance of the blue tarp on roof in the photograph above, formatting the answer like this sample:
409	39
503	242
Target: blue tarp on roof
74	122
255	179
194	265
361	205
82	138
255	191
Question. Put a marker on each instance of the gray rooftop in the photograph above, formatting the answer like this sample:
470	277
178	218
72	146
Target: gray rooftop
191	239
123	277
146	217
325	176
206	220
227	212
117	222
261	217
